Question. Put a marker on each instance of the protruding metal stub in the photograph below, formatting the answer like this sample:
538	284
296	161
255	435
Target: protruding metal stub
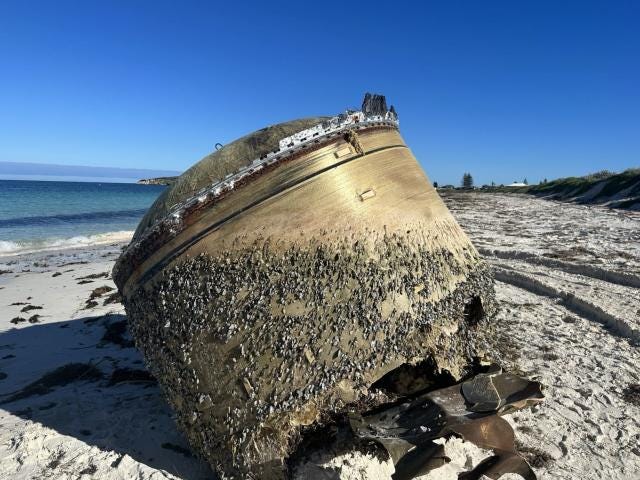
374	104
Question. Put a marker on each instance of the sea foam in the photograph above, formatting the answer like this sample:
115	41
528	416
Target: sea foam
30	246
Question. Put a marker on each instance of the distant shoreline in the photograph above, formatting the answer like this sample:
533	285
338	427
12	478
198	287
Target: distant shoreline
66	179
45	171
157	181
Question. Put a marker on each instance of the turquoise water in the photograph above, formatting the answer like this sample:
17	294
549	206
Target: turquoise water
36	215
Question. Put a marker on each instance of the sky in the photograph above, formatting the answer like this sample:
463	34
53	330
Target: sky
504	90
74	173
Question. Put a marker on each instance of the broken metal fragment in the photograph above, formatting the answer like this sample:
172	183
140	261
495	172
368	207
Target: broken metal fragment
500	392
470	410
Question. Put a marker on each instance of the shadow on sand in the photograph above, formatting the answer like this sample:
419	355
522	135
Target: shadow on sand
83	378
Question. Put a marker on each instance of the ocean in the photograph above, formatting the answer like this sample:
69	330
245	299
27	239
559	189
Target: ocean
37	215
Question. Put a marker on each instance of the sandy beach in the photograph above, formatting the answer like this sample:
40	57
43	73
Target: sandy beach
568	283
76	400
100	415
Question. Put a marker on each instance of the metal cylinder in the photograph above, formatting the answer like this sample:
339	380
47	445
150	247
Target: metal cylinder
275	300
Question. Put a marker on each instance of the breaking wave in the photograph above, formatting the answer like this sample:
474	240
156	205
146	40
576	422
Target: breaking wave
31	246
76	218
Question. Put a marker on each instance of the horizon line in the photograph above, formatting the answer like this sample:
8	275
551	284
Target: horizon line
21	169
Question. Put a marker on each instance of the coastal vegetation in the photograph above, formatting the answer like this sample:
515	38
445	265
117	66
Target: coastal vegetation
615	190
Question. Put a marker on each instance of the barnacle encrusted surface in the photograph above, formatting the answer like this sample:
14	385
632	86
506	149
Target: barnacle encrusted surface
251	344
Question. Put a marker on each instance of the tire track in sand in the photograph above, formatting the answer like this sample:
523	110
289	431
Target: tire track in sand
619	278
571	302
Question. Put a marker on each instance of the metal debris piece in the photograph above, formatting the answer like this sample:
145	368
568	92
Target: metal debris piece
500	392
407	429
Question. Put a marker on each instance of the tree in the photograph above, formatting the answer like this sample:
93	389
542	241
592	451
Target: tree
525	181
467	180
544	181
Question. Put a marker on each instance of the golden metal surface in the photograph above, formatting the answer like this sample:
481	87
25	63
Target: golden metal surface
320	193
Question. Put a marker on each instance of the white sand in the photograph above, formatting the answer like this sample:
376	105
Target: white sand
571	307
107	432
570	278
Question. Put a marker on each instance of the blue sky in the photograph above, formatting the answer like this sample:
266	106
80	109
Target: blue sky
502	89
